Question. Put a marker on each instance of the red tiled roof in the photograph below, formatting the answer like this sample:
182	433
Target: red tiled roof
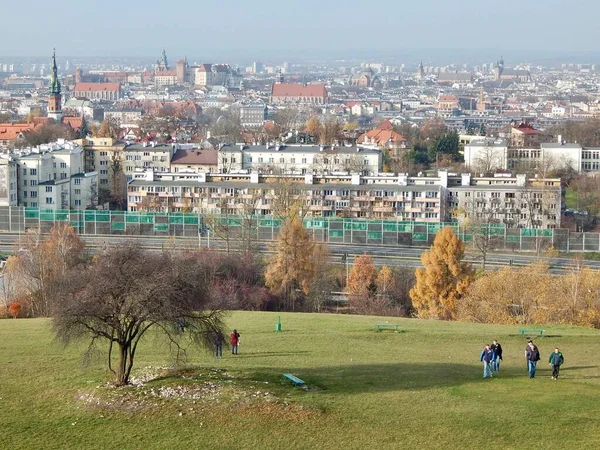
95	87
10	131
382	135
447	98
298	90
73	122
195	157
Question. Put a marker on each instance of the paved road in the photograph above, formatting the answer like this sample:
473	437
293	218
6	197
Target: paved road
393	256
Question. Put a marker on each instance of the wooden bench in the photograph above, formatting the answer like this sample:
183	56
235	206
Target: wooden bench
540	333
295	380
385	326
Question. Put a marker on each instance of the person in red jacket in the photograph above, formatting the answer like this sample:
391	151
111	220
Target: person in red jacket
234	338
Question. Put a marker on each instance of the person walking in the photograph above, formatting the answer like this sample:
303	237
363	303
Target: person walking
532	354
556	360
487	356
218	341
234	340
497	349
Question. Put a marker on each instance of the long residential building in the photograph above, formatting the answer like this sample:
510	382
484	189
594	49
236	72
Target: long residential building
487	155
515	201
299	159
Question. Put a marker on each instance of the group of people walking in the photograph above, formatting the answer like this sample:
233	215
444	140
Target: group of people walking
491	356
234	341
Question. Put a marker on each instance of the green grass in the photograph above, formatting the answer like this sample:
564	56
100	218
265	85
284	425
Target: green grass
570	198
421	388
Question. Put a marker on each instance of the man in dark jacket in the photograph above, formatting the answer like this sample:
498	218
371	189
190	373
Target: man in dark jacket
487	356
533	356
556	360
497	349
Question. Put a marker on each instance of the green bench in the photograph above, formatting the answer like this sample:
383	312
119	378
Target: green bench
388	326
295	380
524	331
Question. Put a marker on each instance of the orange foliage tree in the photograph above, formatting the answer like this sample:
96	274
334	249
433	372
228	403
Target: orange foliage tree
42	263
14	309
444	280
361	283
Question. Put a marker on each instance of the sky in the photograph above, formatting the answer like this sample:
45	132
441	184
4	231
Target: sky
336	28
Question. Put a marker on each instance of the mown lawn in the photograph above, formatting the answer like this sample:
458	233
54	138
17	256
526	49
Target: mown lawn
421	388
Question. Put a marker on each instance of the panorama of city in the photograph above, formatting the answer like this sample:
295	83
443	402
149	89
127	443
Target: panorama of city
303	244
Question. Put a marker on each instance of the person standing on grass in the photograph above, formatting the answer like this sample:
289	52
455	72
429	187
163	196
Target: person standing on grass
556	360
234	340
487	355
533	356
218	341
497	349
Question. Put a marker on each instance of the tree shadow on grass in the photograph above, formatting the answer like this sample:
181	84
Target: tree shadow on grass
355	379
269	354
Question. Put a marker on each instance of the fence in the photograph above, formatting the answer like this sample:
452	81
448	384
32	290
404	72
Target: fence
264	228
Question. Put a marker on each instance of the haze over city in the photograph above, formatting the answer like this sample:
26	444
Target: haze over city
308	29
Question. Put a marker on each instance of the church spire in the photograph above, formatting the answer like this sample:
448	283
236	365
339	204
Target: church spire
54	83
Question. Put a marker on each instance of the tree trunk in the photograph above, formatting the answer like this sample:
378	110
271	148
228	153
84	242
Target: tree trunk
122	377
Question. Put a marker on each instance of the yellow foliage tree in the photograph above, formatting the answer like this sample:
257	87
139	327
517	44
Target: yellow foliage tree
291	267
314	127
444	280
361	283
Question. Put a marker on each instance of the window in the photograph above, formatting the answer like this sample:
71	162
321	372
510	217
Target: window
48	200
104	172
33	183
33	194
24	172
31	171
282	160
292	160
260	159
303	160
34	204
25	182
271	160
63	165
77	202
103	153
77	181
104	163
48	188
104	181
25	194
146	153
77	191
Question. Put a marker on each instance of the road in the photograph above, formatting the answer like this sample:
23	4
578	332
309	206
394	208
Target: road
392	256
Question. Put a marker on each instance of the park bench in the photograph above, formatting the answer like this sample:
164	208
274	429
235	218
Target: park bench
295	380
385	326
524	331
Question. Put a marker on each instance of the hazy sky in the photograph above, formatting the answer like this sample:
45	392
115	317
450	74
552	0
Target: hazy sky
251	28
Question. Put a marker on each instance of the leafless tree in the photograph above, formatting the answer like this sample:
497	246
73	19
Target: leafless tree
121	295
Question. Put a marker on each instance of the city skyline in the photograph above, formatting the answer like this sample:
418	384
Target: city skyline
318	29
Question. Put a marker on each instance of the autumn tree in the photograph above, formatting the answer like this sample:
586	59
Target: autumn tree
42	261
444	280
288	200
314	127
361	287
120	296
290	270
322	283
109	128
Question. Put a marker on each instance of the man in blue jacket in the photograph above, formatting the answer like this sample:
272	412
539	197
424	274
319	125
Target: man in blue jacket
487	356
533	356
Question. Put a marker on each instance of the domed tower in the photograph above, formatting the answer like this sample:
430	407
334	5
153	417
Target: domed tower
55	98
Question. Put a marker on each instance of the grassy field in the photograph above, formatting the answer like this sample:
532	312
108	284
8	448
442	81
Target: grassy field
421	388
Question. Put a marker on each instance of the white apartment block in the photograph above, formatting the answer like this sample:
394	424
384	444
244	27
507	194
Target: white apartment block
299	159
515	201
52	176
486	155
8	181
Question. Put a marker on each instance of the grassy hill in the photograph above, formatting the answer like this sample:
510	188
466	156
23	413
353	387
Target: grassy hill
421	388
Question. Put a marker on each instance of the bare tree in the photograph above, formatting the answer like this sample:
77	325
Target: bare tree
125	293
488	160
288	200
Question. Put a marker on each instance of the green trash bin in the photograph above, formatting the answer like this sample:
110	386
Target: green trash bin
278	324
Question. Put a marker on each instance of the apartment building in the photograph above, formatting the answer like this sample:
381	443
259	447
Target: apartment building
299	159
486	155
515	201
8	181
52	176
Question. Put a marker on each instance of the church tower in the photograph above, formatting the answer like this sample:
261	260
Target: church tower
421	71
55	99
